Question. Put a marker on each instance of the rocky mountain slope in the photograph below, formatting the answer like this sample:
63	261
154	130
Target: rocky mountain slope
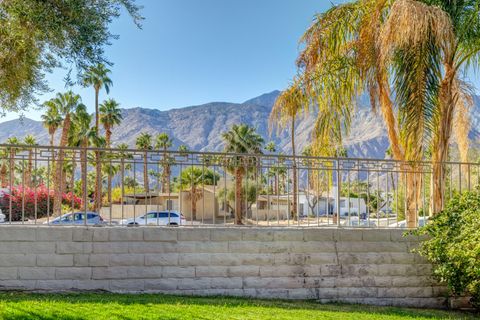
200	127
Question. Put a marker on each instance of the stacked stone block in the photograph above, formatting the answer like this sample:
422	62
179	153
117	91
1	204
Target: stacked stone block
348	265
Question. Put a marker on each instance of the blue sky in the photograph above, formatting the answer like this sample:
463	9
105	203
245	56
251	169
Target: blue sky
191	52
197	51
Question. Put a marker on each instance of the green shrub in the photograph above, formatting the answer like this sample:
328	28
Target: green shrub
453	245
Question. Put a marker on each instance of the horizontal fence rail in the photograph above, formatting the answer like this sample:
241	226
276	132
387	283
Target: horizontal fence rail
132	187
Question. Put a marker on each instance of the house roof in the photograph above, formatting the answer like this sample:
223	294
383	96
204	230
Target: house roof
151	195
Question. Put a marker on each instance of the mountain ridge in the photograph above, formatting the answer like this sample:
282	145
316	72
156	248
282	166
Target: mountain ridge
200	127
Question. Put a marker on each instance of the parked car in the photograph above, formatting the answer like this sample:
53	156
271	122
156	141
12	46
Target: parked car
77	218
422	221
2	217
356	222
162	218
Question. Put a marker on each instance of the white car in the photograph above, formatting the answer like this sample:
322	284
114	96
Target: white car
422	221
356	222
161	218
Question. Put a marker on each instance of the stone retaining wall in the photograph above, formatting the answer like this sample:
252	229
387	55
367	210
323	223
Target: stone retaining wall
360	266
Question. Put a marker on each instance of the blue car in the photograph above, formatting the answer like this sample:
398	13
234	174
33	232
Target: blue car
77	218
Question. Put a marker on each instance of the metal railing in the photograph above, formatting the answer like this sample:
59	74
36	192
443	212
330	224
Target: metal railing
56	186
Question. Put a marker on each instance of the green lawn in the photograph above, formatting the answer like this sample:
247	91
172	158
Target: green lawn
146	306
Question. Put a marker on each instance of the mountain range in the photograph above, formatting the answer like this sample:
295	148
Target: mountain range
200	127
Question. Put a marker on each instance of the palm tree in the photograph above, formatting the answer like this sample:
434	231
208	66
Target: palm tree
285	111
51	120
271	147
4	167
66	104
97	77
419	47
110	116
163	142
123	155
241	139
183	149
144	142
82	136
98	142
29	141
12	152
191	179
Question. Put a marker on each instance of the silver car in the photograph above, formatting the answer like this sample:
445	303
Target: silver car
77	218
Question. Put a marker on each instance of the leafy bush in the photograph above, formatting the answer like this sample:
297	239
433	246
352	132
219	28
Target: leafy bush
23	199
453	245
117	193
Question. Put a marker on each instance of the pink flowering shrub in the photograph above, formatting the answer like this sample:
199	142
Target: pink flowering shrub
24	198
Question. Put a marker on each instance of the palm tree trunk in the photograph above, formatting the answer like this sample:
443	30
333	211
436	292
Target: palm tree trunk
108	136
98	164
166	174
28	174
414	188
97	114
51	177
3	174
442	140
387	109
294	169
413	180
98	181
57	202
276	182
145	173
83	168
238	196
194	203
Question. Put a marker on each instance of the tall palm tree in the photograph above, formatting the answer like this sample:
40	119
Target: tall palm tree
82	136
286	109
123	155
66	104
144	142
51	120
29	141
12	152
98	77
110	116
419	47
241	139
164	142
272	148
98	142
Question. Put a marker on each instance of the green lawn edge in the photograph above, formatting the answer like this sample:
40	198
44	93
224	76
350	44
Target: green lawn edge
75	306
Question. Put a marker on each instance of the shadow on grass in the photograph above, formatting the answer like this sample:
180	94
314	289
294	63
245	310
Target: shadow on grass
73	300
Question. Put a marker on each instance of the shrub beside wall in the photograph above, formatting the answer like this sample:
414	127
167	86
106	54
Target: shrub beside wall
453	245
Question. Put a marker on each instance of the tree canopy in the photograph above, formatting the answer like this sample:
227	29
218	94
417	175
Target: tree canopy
38	35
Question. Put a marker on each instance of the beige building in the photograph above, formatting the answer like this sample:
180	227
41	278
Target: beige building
134	205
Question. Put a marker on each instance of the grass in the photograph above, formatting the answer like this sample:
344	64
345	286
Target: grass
15	306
